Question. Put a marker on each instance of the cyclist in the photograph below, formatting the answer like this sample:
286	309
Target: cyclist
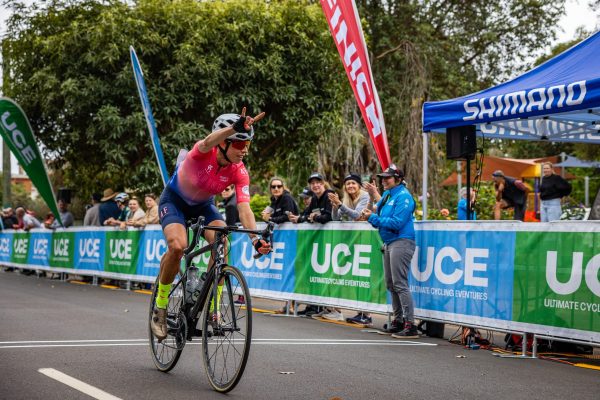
213	164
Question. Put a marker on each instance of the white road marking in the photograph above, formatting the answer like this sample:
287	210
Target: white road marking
271	341
77	384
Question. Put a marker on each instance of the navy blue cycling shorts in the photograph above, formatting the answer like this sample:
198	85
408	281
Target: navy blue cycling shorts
174	210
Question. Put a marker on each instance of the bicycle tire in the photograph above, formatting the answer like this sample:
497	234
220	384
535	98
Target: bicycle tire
227	333
165	354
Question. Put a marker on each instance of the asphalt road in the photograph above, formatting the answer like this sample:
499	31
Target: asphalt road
98	336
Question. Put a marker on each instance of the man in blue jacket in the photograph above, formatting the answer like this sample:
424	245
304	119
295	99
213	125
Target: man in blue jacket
393	217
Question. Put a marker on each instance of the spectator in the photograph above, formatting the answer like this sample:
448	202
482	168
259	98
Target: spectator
394	219
49	220
282	203
136	213
29	221
306	197
9	220
122	199
462	205
552	189
510	192
108	207
151	216
229	204
65	215
19	213
92	215
319	209
354	201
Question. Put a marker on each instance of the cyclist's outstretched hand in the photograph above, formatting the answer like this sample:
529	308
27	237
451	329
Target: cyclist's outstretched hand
244	123
262	246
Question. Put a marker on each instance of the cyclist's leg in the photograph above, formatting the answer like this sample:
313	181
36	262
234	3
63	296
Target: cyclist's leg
172	220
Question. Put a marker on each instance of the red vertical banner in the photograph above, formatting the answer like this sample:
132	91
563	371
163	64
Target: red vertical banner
344	24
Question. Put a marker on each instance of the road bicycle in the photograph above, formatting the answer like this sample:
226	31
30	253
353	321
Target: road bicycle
224	326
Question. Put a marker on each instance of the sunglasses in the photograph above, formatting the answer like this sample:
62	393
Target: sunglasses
240	144
276	186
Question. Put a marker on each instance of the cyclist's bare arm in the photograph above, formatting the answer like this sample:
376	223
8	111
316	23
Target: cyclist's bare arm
249	222
205	145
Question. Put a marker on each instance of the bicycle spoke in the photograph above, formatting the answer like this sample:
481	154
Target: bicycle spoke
226	352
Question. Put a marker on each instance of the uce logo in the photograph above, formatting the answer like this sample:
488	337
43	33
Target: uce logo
20	246
274	261
574	282
155	249
4	246
435	262
40	247
61	247
332	259
89	248
120	248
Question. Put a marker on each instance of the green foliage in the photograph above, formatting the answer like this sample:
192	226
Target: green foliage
67	64
70	70
258	203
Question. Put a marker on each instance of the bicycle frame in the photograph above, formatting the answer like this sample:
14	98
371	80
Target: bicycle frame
218	262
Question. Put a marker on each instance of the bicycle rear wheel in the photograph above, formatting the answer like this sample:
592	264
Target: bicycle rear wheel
226	331
166	353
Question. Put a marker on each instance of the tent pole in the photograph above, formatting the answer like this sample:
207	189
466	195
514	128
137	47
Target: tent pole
459	177
587	190
425	172
469	211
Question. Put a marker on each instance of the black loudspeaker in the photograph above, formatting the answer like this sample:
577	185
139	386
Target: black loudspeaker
461	143
64	195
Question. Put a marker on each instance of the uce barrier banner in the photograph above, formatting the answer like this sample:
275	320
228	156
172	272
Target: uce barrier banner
538	278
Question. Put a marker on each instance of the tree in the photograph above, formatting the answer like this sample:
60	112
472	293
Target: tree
440	49
69	69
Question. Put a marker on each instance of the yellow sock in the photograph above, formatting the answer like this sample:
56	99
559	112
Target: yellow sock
212	302
162	297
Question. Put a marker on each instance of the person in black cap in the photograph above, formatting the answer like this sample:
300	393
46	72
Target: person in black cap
510	192
354	201
306	196
394	219
319	209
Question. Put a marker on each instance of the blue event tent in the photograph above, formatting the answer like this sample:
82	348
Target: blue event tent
557	101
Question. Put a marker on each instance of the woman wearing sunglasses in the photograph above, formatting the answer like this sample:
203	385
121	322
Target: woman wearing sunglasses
282	203
213	164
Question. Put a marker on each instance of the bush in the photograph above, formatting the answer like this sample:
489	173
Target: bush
258	203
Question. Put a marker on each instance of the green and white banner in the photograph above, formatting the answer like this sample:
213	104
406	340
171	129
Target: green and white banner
17	133
537	278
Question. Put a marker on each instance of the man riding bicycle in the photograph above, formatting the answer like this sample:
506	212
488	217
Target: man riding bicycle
213	164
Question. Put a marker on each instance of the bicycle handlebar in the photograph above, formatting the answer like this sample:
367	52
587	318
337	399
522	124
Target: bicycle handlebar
265	234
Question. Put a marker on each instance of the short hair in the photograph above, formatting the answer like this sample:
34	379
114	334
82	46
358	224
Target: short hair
548	163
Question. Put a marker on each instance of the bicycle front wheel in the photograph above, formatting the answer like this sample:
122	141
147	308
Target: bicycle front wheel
166	353
226	330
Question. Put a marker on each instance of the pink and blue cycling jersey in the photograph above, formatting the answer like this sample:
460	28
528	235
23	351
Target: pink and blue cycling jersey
199	177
